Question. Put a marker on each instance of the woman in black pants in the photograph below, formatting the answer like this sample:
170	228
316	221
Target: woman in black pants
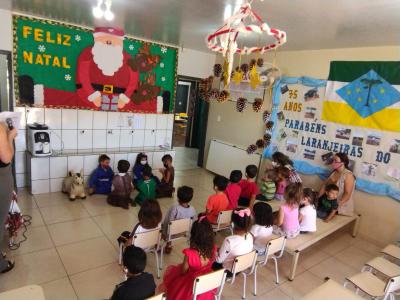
6	184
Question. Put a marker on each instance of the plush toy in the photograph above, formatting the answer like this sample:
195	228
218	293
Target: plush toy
74	185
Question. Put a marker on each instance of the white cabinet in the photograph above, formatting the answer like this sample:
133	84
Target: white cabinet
85	139
114	120
161	136
149	138
139	121
99	139
99	120
170	121
138	138
85	119
69	119
58	167
70	139
52	118
113	137
162	121
125	140
34	114
151	121
40	168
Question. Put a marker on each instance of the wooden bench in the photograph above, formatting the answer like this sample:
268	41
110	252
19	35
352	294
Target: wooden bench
31	292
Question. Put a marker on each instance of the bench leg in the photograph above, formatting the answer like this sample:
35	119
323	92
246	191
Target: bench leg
356	226
295	259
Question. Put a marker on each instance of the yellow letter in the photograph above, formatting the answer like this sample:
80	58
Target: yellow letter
27	57
56	61
46	59
59	38
39	59
38	35
48	37
67	38
64	63
26	30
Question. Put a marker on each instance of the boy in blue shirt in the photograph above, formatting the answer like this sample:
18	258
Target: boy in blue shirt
101	179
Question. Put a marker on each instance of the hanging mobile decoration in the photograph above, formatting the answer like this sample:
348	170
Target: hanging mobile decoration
241	104
224	40
244	68
223	96
213	94
252	63
260	62
251	149
260	143
257	104
254	78
237	76
217	70
266	116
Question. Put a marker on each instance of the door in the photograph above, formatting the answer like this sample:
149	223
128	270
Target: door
182	97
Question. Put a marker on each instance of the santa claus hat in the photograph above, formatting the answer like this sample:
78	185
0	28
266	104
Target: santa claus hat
103	31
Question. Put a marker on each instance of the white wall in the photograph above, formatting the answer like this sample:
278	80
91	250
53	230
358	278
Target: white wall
5	30
195	63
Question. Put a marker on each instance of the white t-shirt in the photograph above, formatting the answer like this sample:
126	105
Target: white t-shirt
233	246
262	234
309	222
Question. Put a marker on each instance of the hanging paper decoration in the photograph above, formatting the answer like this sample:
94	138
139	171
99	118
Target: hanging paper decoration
226	73
260	62
260	143
251	149
217	70
241	104
257	104
224	40
223	96
254	78
237	76
266	116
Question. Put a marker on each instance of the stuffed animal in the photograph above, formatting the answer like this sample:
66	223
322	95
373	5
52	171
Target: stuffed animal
74	185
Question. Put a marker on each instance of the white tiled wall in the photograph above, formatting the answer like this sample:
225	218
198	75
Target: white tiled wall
73	129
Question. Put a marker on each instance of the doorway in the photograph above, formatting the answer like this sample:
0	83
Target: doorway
190	123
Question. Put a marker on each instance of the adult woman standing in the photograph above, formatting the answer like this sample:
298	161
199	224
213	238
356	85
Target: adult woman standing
6	184
345	180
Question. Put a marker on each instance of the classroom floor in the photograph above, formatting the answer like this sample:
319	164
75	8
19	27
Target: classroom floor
71	249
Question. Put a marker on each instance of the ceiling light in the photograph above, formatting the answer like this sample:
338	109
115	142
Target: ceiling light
97	12
108	14
227	11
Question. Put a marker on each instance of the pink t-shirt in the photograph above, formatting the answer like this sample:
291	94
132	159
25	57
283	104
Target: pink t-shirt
290	218
249	189
233	191
281	186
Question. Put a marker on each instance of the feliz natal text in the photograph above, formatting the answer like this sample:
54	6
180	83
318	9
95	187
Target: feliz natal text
39	35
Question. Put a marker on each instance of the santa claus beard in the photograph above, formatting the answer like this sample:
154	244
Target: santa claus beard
108	58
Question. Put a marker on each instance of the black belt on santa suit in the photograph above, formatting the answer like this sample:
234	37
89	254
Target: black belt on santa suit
106	88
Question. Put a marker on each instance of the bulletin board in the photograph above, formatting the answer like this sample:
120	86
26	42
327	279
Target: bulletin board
47	55
313	121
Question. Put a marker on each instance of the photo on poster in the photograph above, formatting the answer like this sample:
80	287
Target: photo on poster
358	139
309	154
310	112
343	133
327	158
284	89
311	95
374	139
369	169
282	134
393	173
395	146
295	134
281	116
291	146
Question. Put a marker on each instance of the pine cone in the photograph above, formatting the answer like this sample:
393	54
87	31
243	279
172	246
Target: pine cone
260	143
266	116
260	62
244	68
269	125
217	70
214	94
267	138
251	149
252	63
257	104
241	104
223	96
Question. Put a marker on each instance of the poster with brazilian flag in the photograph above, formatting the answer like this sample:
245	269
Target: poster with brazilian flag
61	65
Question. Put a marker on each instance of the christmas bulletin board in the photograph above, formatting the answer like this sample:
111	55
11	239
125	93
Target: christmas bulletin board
49	69
356	111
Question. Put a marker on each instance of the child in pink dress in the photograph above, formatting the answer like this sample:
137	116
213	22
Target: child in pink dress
179	279
282	175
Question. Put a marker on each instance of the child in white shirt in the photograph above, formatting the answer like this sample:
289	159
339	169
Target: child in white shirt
241	242
307	212
262	229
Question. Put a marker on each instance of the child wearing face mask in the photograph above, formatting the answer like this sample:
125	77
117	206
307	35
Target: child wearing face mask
166	186
140	163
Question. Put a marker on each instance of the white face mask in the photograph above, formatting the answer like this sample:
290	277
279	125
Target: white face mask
143	162
275	164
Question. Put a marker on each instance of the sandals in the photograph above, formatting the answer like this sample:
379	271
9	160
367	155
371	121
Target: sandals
10	266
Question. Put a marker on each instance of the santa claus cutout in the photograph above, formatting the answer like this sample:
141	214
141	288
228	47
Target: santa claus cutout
104	79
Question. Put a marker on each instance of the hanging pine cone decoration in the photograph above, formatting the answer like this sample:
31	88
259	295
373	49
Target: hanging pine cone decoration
252	63
213	94
260	62
217	70
266	144
267	138
257	104
260	143
241	104
269	125
223	96
244	68
251	149
266	116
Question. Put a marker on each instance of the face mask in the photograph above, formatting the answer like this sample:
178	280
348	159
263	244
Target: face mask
166	166
143	162
275	164
336	165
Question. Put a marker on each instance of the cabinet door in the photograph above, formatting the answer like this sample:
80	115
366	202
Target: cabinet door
113	137
162	121
69	119
161	136
149	138
138	139
85	139
70	139
99	139
85	119
126	138
99	120
151	121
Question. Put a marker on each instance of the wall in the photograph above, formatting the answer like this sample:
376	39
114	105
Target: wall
195	63
5	30
380	215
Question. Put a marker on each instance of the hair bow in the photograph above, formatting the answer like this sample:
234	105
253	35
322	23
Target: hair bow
243	212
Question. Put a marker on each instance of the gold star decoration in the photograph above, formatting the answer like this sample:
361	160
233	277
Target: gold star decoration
358	90
382	90
375	100
226	73
359	99
237	77
348	92
254	78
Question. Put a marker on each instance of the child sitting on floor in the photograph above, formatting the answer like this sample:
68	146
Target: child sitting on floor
166	186
241	242
146	186
288	217
307	213
138	284
249	187
140	162
149	216
101	179
268	187
121	186
262	228
328	204
233	189
198	259
281	182
182	210
219	201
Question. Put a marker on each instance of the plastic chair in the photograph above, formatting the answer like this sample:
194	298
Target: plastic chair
177	229
157	297
392	251
383	266
209	282
373	286
273	250
224	221
244	264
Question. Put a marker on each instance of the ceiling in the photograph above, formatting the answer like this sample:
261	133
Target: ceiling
309	24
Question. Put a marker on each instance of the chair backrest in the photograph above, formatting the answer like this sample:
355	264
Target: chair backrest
244	262
275	245
224	217
393	284
148	239
157	297
208	282
179	226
